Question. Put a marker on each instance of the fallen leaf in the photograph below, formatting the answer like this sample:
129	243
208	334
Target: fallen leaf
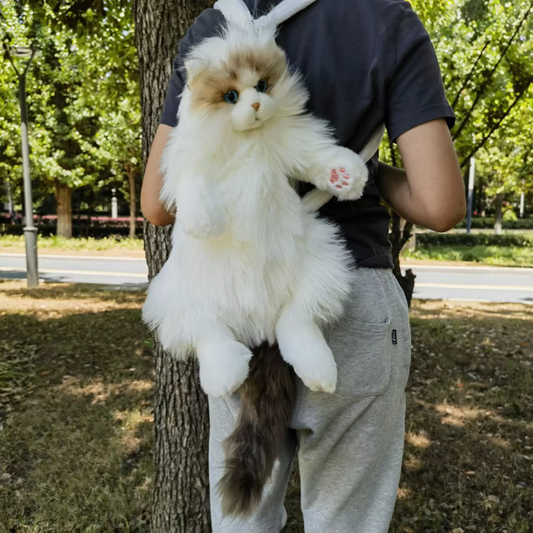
458	530
493	499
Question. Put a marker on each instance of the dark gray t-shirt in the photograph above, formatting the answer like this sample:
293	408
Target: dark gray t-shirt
365	63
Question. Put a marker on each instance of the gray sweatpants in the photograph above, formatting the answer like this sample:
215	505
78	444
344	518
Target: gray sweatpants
349	443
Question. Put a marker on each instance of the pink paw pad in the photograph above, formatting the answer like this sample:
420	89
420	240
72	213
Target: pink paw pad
335	178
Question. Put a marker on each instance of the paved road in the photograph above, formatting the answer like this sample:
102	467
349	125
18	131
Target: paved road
489	284
108	271
432	282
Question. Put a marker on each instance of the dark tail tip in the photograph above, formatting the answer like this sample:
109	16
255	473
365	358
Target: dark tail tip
242	484
267	402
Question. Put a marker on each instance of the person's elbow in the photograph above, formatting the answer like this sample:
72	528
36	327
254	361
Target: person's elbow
446	217
151	206
157	219
155	213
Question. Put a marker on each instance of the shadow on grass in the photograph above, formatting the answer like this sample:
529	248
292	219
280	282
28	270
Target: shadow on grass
75	455
432	309
469	438
79	291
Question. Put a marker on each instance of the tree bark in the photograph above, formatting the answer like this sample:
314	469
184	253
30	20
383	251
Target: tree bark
181	492
133	200
400	234
498	215
63	195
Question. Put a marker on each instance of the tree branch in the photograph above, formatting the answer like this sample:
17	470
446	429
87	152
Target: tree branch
467	79
497	125
487	81
8	55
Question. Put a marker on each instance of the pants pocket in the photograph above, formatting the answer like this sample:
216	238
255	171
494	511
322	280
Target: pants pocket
362	352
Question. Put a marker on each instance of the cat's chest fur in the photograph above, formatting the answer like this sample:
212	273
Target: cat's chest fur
261	206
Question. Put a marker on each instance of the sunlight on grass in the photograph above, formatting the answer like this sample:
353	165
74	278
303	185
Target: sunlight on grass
75	454
100	392
15	243
77	430
418	440
487	255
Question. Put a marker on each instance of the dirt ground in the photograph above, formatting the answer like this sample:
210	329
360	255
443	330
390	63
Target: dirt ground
76	423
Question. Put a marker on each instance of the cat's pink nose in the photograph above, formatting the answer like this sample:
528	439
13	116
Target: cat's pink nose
256	106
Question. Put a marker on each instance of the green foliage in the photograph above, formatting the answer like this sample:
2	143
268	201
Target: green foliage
502	256
54	243
485	49
85	111
488	222
83	95
429	240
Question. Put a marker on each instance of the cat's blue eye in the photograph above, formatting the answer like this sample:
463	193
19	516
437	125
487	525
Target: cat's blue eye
231	96
262	86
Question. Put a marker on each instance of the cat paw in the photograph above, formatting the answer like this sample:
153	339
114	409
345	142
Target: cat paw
347	180
318	369
312	360
225	368
204	222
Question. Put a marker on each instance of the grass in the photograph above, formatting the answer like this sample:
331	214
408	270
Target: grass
126	247
76	421
83	246
76	431
487	255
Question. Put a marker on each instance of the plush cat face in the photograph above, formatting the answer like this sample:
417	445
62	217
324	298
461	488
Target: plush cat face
242	77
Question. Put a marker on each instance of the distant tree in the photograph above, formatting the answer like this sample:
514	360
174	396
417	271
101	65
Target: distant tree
485	49
82	90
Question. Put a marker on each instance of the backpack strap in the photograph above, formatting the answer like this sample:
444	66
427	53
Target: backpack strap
316	198
237	11
284	11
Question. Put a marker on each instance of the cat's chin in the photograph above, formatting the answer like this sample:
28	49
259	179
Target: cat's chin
257	123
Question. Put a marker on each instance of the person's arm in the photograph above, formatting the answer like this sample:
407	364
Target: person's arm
151	205
430	192
206	25
418	117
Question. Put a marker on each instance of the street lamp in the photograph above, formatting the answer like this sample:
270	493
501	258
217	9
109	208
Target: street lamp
30	231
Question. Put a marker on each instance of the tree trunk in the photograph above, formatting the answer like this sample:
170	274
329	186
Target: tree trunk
8	204
498	215
400	234
133	200
181	492
480	197
64	210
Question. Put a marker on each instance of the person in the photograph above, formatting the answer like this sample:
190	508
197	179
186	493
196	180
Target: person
365	63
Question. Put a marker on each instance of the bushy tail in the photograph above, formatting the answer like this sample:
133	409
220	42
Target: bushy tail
267	402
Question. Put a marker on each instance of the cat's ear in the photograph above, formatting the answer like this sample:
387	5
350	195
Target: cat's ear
194	67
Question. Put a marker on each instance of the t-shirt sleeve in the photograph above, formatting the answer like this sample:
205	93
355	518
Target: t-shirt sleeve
416	92
207	25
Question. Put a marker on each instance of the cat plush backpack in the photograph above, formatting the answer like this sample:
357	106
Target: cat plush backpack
254	274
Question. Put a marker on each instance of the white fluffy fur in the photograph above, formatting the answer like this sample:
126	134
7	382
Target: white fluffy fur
249	262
